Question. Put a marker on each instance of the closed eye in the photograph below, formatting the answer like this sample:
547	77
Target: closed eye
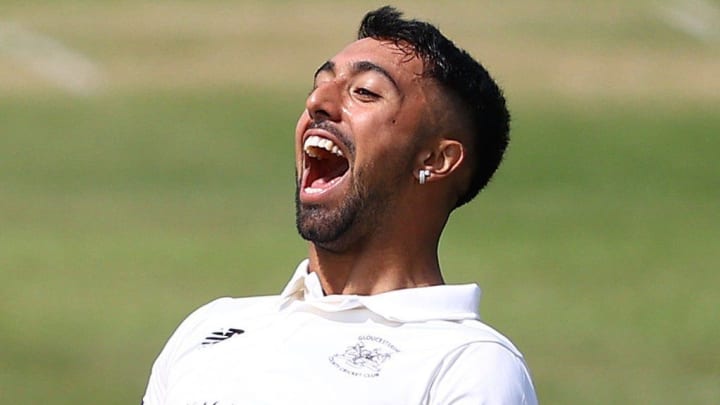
365	93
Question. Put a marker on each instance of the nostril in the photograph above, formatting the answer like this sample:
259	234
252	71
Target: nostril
324	103
319	114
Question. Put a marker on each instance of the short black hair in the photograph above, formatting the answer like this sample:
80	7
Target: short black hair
462	77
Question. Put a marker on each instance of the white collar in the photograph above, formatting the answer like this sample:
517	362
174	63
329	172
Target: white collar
441	302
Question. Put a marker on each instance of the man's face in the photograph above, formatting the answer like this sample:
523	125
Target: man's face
356	141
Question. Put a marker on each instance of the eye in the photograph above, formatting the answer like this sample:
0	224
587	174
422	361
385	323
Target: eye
366	94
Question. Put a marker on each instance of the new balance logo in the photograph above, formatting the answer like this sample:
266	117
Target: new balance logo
221	335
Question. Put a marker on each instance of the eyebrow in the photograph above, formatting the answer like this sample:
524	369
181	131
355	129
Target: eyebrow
359	67
328	66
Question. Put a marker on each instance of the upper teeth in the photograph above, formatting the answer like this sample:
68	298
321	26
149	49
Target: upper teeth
315	141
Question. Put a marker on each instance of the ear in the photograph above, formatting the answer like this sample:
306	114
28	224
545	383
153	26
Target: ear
442	161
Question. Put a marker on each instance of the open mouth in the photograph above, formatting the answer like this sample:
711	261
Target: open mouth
325	164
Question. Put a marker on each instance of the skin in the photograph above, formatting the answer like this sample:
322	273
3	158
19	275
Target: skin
390	122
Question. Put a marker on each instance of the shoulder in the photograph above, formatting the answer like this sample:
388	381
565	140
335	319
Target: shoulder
207	324
216	315
477	333
483	367
455	334
228	305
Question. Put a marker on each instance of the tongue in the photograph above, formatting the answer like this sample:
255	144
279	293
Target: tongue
319	183
328	177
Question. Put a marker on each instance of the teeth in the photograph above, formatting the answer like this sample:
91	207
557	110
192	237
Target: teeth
311	190
314	141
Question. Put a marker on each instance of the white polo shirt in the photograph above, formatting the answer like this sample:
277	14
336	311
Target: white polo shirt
411	346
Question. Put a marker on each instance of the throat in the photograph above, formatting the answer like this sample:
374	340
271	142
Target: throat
325	172
368	270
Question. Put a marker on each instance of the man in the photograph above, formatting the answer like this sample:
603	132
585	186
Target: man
401	127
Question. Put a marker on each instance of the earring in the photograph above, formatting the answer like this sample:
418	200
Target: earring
423	175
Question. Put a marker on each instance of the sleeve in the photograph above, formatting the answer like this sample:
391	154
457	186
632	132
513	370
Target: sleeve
485	373
175	347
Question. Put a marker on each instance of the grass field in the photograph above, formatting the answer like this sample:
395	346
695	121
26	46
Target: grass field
146	168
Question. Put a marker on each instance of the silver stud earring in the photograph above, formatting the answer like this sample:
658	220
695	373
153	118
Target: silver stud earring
423	175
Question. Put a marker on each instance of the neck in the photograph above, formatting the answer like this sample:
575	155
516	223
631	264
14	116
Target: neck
386	261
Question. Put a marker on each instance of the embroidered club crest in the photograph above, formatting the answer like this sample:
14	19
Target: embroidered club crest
365	358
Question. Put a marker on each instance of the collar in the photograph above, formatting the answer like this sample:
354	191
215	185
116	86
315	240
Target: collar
441	302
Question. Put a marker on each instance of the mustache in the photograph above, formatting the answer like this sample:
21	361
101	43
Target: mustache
331	128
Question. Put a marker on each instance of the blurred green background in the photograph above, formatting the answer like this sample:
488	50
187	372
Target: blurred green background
146	167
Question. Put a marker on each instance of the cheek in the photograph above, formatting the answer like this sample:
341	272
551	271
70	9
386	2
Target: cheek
374	128
383	140
302	123
387	155
300	128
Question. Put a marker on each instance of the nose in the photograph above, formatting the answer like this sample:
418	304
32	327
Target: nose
324	102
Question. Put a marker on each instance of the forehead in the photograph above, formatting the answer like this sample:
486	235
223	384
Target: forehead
401	63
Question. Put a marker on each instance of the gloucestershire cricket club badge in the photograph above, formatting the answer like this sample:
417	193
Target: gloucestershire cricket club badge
365	358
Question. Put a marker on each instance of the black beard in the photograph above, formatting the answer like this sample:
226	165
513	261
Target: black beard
324	226
333	229
362	211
